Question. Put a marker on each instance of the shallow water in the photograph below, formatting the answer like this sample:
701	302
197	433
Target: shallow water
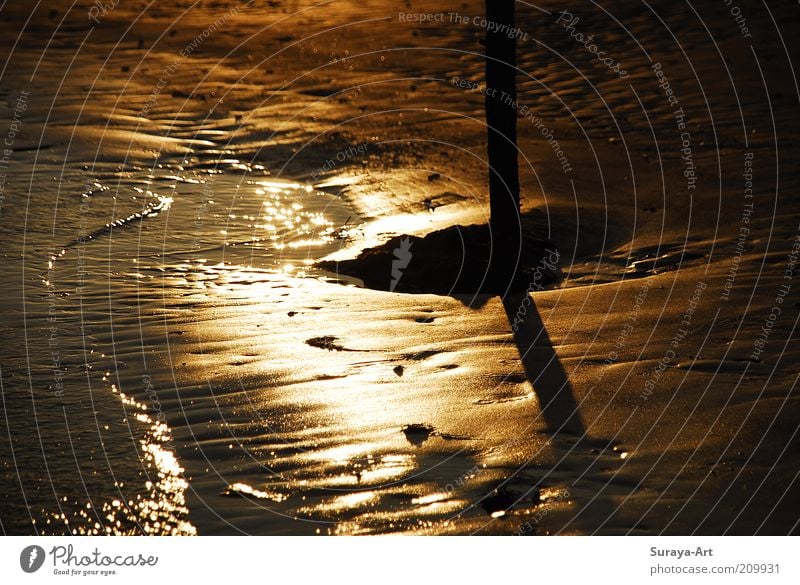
175	365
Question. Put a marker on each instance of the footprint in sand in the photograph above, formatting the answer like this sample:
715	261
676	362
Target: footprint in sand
417	433
328	342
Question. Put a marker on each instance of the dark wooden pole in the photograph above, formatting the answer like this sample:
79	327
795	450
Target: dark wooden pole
501	117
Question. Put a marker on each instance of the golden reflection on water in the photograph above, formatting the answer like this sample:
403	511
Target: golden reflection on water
243	489
355	471
322	360
355	405
159	508
287	221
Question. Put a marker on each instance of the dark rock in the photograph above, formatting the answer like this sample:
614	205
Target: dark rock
455	260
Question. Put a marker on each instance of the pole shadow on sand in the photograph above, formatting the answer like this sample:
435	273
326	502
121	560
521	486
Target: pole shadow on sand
461	262
499	259
458	262
542	367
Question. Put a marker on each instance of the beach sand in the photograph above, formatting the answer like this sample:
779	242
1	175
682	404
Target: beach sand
175	361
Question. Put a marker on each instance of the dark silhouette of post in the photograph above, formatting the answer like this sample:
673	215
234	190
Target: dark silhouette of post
501	118
542	366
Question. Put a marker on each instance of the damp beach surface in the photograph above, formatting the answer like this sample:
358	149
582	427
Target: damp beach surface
182	355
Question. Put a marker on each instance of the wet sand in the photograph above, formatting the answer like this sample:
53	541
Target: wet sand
174	362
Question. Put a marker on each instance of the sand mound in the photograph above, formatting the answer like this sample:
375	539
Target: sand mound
455	260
